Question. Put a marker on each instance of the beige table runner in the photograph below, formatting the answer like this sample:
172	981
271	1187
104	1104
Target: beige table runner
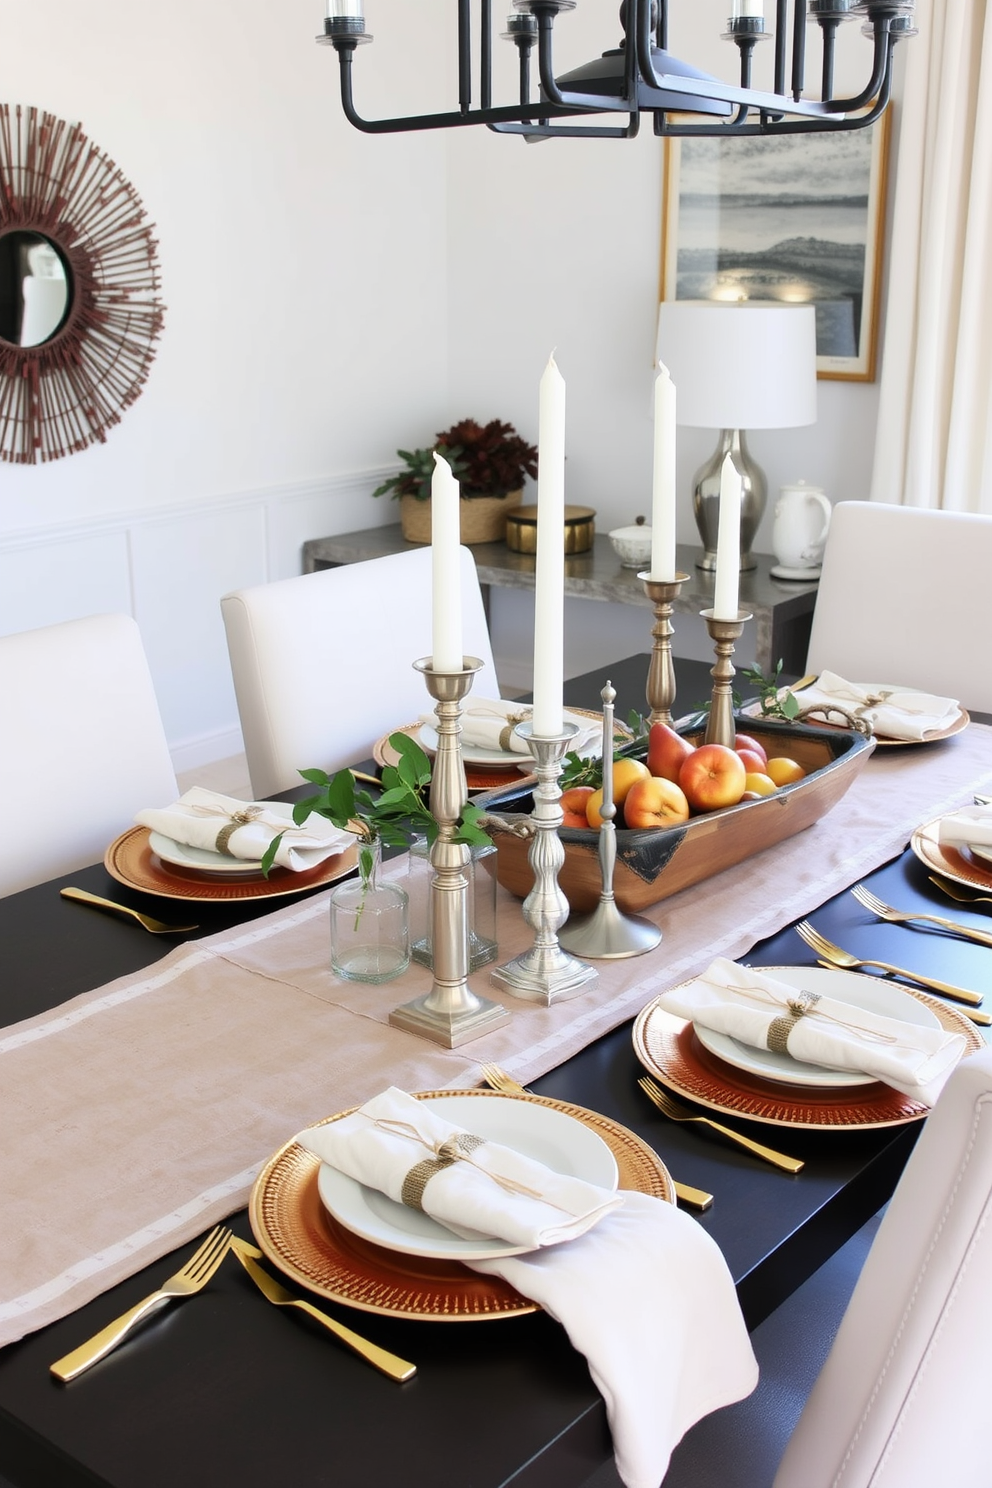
136	1115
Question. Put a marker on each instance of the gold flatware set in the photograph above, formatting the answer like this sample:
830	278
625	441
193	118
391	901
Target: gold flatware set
192	1278
898	917
963	896
153	926
834	955
675	1111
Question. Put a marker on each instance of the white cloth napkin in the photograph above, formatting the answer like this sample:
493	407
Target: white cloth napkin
647	1297
969	827
199	815
489	723
383	1140
894	713
741	1002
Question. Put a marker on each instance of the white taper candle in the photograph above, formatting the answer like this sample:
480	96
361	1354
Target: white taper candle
728	545
446	569
549	580
663	485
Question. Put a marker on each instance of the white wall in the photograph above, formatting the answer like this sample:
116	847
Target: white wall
303	270
332	296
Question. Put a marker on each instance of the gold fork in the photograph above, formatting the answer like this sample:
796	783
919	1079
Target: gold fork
953	892
842	958
897	917
498	1079
155	927
189	1279
389	1364
677	1112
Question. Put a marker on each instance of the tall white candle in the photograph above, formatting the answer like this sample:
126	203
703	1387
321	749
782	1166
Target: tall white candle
549	579
663	486
446	569
728	544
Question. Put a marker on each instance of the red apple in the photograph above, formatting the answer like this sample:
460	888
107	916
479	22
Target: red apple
753	763
667	752
745	741
655	802
713	776
573	804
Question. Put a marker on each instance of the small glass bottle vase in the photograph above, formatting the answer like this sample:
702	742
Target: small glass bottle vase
370	940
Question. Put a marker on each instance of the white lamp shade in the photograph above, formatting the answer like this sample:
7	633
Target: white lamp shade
750	366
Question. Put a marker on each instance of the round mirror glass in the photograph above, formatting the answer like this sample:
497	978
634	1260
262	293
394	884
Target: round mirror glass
34	288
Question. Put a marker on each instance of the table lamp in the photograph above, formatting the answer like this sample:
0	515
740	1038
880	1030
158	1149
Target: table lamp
737	367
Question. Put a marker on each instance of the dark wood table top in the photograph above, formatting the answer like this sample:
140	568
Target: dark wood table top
230	1390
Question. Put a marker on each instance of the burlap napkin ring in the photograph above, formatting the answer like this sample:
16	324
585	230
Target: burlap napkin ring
780	1028
227	831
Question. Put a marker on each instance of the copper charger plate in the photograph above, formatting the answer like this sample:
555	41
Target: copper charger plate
308	1245
958	864
668	1048
130	860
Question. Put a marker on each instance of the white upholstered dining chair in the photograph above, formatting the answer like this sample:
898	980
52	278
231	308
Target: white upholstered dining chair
904	598
82	746
900	1400
323	663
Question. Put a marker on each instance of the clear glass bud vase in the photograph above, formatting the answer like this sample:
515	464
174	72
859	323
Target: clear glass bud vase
369	935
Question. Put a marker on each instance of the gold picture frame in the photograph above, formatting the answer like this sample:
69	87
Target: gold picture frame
792	217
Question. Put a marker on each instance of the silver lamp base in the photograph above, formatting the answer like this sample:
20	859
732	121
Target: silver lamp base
706	497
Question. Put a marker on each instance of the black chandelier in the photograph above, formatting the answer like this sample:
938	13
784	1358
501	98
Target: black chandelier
642	76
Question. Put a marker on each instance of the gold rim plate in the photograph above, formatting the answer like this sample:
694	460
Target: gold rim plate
933	736
130	860
307	1244
668	1048
958	864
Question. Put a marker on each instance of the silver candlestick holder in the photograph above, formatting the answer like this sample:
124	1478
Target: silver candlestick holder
545	973
720	726
607	934
660	690
450	1013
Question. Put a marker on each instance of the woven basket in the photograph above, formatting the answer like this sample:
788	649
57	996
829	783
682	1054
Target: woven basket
483	519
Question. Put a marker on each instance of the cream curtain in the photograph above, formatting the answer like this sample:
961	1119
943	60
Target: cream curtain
934	443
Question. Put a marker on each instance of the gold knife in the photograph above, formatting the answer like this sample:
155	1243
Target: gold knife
389	1364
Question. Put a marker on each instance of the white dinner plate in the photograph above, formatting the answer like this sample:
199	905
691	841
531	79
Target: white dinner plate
981	852
201	860
505	759
548	1136
870	993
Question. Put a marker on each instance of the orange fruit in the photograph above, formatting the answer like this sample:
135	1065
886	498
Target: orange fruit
784	771
625	772
763	784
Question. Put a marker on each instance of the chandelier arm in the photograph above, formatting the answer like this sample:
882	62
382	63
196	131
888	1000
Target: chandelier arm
510	113
784	126
571	131
884	41
567	102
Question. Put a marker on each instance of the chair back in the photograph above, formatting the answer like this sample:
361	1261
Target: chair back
323	663
82	747
901	1399
903	599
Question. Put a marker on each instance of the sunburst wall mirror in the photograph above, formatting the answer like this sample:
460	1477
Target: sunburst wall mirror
79	280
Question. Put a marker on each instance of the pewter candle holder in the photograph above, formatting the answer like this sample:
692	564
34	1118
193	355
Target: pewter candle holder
660	690
720	727
545	973
608	934
450	1014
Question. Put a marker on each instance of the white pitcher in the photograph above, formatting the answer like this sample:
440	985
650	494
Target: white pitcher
802	517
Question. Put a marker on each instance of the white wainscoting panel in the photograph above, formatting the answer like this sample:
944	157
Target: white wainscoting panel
168	567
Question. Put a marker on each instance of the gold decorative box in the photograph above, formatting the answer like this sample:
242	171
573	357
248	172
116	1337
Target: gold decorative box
580	529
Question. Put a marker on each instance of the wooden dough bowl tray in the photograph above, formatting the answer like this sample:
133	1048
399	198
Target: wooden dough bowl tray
656	863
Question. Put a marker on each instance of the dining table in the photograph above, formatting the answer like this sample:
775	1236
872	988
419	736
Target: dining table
224	1389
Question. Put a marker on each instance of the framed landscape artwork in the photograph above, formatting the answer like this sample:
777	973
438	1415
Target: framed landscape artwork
793	217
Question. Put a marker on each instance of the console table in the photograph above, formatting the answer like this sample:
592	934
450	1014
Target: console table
783	612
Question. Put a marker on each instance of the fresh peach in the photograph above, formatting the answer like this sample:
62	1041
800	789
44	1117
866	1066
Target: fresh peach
625	773
713	776
745	741
753	763
667	752
655	802
573	804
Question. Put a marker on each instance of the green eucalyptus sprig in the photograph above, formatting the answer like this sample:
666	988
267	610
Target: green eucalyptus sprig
772	705
398	813
579	771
